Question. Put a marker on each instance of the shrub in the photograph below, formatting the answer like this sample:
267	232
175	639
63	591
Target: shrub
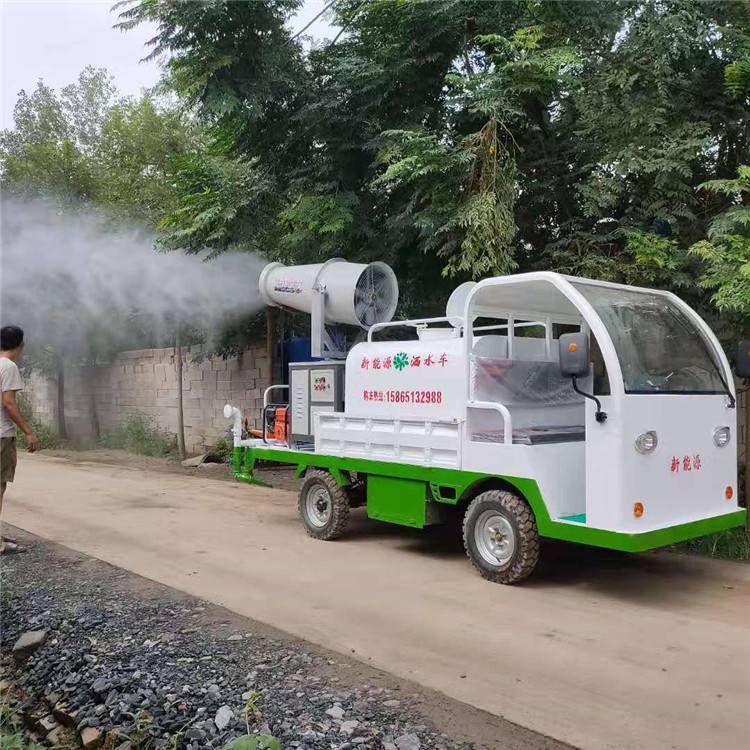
221	449
48	438
139	434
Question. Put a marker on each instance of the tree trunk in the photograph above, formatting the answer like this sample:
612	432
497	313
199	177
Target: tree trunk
62	429
271	342
180	413
746	398
91	387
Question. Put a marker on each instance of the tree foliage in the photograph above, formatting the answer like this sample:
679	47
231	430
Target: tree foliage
85	148
481	137
726	252
453	139
86	145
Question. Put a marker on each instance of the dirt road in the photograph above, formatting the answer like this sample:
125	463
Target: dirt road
598	650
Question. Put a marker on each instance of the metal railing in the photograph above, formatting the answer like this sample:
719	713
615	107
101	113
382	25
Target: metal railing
503	410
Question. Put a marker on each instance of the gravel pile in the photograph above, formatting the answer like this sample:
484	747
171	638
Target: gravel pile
163	670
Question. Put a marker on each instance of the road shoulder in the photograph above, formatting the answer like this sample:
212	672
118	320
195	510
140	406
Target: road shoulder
118	643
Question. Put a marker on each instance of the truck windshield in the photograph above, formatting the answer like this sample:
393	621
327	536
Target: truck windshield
659	347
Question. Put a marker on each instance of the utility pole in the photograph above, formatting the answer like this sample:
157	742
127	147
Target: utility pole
62	427
180	412
91	387
746	402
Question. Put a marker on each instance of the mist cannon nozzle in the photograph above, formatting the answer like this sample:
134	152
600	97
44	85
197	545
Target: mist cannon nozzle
358	294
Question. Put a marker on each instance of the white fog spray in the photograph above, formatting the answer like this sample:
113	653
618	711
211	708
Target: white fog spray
69	277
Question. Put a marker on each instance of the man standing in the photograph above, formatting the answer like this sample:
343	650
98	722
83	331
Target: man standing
11	348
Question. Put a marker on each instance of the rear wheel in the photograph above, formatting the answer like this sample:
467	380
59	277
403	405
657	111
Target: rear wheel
323	505
501	537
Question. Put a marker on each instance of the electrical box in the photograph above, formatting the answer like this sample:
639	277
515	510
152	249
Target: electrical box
313	387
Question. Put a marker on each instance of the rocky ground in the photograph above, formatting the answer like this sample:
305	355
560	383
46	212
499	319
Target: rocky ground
128	663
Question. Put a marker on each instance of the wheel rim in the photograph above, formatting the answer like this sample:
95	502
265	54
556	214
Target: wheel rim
318	506
494	538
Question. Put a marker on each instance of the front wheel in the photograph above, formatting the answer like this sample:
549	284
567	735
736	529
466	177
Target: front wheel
501	537
323	505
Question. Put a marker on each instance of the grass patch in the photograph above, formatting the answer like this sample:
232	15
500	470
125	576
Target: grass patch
139	434
16	741
221	449
11	730
733	544
48	438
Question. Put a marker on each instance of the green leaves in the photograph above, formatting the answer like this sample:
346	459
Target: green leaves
223	202
487	248
233	61
737	77
727	271
462	197
734	219
731	188
736	216
86	144
656	261
139	153
16	741
726	254
317	225
486	137
254	742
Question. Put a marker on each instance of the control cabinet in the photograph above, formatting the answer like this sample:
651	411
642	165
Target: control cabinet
313	387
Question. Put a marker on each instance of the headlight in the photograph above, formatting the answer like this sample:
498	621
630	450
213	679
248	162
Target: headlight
646	442
721	436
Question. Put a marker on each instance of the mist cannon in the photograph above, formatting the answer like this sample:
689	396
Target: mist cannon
357	294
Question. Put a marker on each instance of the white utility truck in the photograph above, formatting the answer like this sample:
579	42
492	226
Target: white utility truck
541	405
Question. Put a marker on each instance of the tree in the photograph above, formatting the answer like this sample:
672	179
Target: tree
453	139
486	136
86	145
726	251
80	148
139	151
726	264
51	150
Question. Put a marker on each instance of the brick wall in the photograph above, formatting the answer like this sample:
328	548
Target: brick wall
42	393
144	382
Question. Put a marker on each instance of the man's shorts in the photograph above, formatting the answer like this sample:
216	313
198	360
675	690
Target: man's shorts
8	459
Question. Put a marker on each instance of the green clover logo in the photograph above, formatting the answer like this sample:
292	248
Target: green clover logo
401	360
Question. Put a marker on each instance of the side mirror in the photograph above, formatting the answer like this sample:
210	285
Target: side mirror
574	355
742	366
574	362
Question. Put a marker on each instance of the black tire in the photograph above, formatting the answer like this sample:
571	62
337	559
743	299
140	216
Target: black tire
518	527
323	505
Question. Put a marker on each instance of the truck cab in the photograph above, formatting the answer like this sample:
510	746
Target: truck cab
666	453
